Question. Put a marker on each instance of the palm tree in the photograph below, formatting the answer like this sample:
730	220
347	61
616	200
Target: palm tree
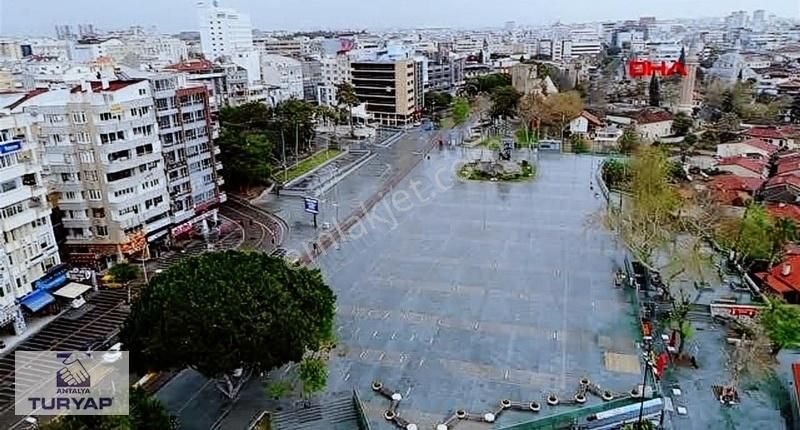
346	95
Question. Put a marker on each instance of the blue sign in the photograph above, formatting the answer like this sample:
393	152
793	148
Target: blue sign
311	205
14	145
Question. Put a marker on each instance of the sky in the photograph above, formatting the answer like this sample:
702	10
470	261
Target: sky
38	17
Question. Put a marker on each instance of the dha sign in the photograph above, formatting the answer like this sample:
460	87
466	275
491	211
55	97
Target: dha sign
644	68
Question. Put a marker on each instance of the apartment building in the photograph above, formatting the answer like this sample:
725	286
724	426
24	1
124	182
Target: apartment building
187	133
388	87
283	77
28	248
226	33
104	167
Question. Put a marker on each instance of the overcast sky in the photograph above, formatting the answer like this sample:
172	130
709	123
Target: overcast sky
38	17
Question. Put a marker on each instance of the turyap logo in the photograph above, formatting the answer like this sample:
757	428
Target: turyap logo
73	374
70	382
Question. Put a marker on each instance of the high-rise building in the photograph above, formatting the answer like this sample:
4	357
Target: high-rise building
226	33
104	167
389	89
283	77
28	248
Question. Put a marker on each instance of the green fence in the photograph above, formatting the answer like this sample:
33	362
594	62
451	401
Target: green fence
565	420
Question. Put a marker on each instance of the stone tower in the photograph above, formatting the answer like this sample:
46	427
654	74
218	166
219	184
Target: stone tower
685	102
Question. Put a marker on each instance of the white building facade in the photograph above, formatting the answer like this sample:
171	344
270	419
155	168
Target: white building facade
228	33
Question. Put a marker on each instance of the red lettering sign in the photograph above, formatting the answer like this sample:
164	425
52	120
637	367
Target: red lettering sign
645	68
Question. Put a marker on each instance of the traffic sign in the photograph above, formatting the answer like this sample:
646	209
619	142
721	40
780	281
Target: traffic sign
311	205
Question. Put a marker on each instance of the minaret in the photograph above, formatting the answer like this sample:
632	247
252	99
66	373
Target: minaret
685	104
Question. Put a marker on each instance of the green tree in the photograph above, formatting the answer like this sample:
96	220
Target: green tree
754	238
654	91
690	139
229	314
615	173
313	374
781	322
728	126
435	100
460	110
146	413
246	156
682	124
629	141
579	145
784	231
346	96
489	83
124	272
504	101
277	389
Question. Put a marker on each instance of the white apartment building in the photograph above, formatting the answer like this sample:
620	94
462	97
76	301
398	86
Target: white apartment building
283	76
187	133
86	51
228	33
157	51
10	50
28	248
104	167
47	47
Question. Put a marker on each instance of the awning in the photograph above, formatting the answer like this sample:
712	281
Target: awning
72	290
37	300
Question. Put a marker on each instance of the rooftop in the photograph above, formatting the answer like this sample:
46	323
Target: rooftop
756	166
783	210
97	86
779	280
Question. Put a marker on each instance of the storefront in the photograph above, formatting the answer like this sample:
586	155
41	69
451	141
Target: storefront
199	225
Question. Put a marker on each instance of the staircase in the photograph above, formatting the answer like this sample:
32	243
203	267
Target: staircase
338	413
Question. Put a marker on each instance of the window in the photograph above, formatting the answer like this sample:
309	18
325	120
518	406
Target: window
95	195
8	160
111	137
8	186
108	116
79	117
67	177
153	202
87	157
142	92
123	192
98	213
57	139
130	209
101	230
150	184
90	175
83	137
68	195
54	118
12	210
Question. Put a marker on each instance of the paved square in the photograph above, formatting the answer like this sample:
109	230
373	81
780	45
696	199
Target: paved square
482	292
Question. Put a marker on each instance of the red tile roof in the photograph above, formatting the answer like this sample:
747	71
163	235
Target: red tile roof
734	190
97	86
788	167
765	132
777	181
756	166
777	281
192	66
796	380
784	210
652	115
760	144
592	119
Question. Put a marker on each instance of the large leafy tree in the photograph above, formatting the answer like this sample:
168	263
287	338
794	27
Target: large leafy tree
557	110
229	314
754	236
489	83
629	141
504	101
435	100
781	322
146	413
346	96
124	272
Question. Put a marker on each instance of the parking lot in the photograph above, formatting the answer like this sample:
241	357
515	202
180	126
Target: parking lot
459	294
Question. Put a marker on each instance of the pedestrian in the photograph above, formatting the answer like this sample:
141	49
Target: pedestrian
694	362
316	248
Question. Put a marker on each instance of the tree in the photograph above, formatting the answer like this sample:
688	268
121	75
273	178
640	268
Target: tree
647	221
436	100
690	139
654	91
615	173
313	374
754	237
728	126
504	101
229	314
124	272
526	111
682	124
781	322
146	413
557	110
246	157
489	83
784	231
629	141
579	145
346	96
460	110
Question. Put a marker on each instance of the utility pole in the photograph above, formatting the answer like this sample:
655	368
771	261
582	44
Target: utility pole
283	151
